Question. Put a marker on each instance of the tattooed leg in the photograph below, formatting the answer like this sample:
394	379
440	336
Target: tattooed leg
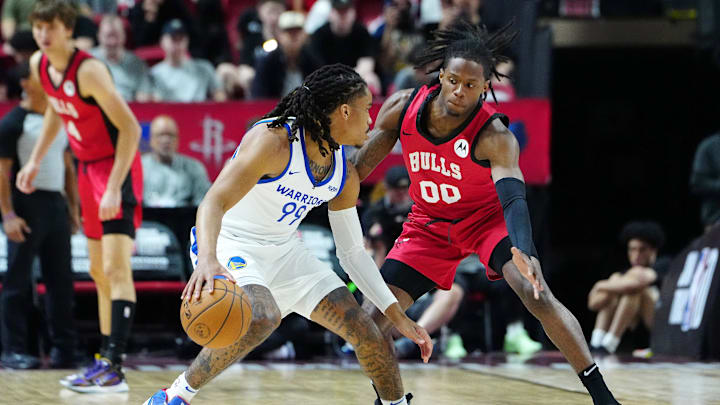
341	314
386	327
265	319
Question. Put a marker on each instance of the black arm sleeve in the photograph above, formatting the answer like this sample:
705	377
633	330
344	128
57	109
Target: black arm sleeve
511	192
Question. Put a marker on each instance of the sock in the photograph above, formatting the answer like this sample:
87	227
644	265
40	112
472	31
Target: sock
595	385
122	317
181	388
597	337
611	342
400	401
104	341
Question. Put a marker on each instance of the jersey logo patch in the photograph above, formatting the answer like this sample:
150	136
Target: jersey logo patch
461	148
69	88
236	263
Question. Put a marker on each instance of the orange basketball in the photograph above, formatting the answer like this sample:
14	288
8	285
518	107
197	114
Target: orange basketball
219	319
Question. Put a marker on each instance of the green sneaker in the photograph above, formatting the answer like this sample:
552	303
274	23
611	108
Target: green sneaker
455	349
518	341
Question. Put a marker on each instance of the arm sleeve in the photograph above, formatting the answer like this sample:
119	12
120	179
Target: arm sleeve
356	262
511	192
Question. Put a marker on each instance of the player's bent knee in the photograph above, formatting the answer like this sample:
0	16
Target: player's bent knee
265	318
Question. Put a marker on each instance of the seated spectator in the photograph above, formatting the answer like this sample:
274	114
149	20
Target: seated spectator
409	77
213	44
171	179
180	78
383	221
280	71
343	39
258	30
129	73
628	298
15	17
397	36
705	180
20	46
149	17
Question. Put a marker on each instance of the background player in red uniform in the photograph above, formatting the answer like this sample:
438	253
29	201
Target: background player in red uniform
103	135
468	190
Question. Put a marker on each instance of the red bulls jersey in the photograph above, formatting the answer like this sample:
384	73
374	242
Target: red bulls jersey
446	181
92	136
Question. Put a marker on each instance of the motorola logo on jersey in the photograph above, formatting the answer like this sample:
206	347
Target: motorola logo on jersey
430	161
69	88
461	148
236	263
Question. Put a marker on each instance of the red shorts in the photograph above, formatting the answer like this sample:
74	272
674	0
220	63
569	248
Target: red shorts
92	182
436	247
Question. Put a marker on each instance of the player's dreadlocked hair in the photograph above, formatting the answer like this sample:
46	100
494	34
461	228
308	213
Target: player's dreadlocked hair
470	42
311	103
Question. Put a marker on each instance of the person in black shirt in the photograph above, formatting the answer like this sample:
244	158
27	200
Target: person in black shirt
383	221
343	39
628	298
39	223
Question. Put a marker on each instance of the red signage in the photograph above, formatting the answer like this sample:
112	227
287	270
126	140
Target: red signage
210	132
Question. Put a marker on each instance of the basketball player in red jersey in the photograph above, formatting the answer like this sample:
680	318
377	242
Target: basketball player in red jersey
103	135
468	190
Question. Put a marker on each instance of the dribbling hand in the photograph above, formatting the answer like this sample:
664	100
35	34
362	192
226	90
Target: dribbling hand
529	267
204	273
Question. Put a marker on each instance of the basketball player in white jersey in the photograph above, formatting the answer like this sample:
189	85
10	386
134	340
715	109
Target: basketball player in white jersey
246	230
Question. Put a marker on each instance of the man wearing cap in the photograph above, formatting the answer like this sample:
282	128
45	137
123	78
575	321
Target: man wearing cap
343	39
283	69
180	78
383	221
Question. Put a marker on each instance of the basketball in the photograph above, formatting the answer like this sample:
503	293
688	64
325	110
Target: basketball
219	319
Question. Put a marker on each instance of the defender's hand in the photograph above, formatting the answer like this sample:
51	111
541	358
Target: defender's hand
26	176
410	330
529	267
109	204
205	272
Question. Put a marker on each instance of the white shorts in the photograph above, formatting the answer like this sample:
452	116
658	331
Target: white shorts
296	278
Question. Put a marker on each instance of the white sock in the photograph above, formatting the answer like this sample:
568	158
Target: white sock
611	342
401	401
597	337
181	388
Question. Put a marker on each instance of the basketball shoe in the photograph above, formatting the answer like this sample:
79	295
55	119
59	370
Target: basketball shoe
100	377
408	397
160	398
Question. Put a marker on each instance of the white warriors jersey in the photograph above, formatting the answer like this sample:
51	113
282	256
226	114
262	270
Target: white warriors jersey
272	210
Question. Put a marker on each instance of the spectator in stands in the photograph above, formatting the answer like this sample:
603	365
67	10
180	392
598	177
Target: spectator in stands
39	223
149	17
397	36
705	180
258	30
129	72
628	298
343	39
409	77
213	44
280	71
180	78
20	46
171	179
383	221
15	16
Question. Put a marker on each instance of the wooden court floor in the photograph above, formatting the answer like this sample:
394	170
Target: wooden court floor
437	384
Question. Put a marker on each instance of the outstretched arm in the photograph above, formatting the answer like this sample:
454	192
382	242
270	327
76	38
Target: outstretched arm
499	145
361	268
384	135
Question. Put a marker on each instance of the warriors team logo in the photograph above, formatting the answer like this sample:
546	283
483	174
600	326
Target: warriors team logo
236	263
461	148
69	88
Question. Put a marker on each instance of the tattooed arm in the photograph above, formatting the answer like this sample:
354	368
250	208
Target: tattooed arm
383	136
